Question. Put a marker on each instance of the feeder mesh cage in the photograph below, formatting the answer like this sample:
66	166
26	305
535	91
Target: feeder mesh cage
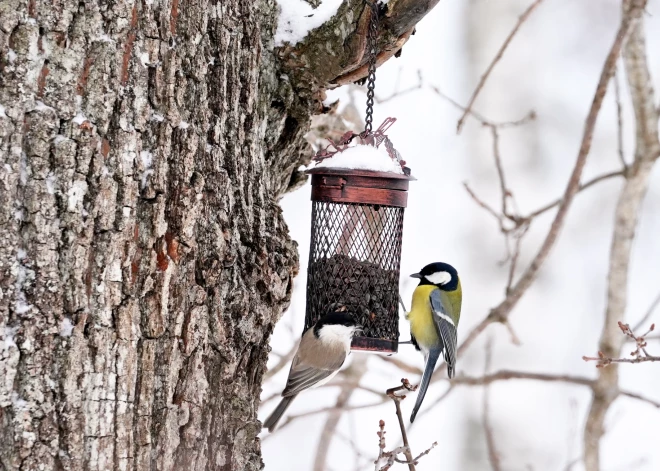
354	261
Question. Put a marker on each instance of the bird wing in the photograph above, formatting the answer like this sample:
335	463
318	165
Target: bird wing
445	327
303	376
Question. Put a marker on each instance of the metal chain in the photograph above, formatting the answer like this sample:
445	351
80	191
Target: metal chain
372	36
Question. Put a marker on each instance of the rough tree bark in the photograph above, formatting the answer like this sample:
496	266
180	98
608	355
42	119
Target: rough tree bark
143	256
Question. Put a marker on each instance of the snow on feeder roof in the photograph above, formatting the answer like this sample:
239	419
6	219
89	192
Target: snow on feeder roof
359	192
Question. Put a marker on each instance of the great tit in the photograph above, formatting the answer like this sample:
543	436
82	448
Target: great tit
433	317
322	351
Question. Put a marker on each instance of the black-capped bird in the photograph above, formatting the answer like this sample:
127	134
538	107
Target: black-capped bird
322	351
433	317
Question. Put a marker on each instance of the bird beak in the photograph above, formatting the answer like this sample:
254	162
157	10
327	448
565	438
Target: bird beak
416	275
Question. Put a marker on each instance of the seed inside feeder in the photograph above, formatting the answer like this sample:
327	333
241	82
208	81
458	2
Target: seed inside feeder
363	287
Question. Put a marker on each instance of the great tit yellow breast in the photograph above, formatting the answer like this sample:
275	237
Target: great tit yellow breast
421	317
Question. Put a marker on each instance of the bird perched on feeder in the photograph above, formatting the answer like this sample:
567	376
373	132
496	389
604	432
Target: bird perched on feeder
433	317
322	351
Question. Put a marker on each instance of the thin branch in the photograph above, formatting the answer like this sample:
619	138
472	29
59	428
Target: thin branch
402	365
497	58
481	118
604	361
504	375
323	410
648	314
381	449
639	397
390	457
398	93
392	394
493	456
640	355
583	186
512	272
500	171
425	452
483	204
403	306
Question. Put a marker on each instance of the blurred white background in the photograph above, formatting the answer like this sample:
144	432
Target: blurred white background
552	67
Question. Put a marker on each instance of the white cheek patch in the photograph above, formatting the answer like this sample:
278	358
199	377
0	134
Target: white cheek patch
439	278
337	334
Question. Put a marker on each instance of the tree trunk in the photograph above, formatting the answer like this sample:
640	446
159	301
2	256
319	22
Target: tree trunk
143	256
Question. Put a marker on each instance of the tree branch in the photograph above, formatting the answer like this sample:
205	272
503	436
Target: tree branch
649	313
647	149
497	58
392	394
493	456
325	59
501	312
640	354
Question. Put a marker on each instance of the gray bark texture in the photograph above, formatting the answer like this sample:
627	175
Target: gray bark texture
144	259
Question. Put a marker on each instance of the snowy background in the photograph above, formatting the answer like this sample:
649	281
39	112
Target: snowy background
551	67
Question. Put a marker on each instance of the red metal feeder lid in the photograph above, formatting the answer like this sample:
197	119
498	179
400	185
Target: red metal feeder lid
337	185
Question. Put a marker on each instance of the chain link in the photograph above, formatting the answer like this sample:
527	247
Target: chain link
372	40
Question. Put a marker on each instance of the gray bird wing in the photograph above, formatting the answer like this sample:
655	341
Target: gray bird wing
304	376
445	328
312	364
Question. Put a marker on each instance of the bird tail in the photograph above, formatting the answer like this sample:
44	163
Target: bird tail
426	378
276	415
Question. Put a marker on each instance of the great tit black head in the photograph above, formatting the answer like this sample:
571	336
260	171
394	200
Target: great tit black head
442	275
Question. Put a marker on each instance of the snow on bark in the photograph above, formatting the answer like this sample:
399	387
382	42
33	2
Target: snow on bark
144	260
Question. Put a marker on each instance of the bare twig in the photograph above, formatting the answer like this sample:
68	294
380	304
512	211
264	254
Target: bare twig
649	313
640	354
512	271
582	187
403	306
493	456
504	375
323	410
497	58
512	333
402	365
381	449
398	93
481	118
639	397
392	394
482	203
386	459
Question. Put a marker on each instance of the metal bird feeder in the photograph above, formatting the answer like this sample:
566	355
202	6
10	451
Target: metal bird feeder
355	250
357	228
